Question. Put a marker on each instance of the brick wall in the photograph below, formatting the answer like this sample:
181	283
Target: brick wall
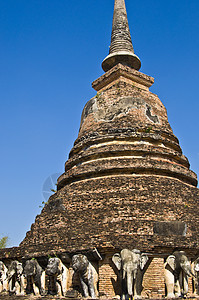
153	281
108	283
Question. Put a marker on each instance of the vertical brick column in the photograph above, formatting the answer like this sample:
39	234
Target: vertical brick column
153	281
191	287
107	278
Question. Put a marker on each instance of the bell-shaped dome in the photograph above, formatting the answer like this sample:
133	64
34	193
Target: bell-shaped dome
125	130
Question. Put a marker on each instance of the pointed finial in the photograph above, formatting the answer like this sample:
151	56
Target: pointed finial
121	49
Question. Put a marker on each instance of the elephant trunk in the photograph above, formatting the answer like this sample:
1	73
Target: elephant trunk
11	286
51	270
10	274
130	284
187	269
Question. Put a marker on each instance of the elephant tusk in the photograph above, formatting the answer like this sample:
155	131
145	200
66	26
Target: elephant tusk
123	274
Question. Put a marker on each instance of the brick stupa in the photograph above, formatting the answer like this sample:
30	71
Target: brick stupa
126	183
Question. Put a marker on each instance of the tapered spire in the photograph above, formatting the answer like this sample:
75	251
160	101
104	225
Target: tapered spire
121	49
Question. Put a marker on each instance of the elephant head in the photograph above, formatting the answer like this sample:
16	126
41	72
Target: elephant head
128	263
3	270
34	274
3	277
53	267
15	275
87	275
196	279
182	263
15	268
196	265
80	263
32	268
177	270
58	276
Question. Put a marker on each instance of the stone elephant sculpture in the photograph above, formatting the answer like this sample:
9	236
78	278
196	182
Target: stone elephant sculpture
176	273
35	276
131	264
3	277
196	277
87	274
16	278
58	277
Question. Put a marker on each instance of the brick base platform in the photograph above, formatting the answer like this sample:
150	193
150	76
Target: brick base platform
31	297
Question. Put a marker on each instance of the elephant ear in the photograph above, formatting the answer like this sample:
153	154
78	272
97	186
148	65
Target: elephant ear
171	261
196	265
117	261
143	260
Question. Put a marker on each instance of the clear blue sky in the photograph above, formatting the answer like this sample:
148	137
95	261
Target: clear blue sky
50	52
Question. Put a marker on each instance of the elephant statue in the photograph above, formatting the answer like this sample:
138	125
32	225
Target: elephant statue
16	278
131	264
87	274
196	277
35	277
3	277
58	277
176	273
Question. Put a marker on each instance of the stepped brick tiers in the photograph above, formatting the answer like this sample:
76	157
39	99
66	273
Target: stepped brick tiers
124	220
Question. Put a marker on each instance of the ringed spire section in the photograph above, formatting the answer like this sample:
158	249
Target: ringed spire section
121	48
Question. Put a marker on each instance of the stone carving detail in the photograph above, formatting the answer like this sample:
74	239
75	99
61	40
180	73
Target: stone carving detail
3	277
110	112
170	228
55	205
177	271
131	265
16	278
58	277
35	276
152	118
87	274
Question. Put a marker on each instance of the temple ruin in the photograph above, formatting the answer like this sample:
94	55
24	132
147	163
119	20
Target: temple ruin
124	222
